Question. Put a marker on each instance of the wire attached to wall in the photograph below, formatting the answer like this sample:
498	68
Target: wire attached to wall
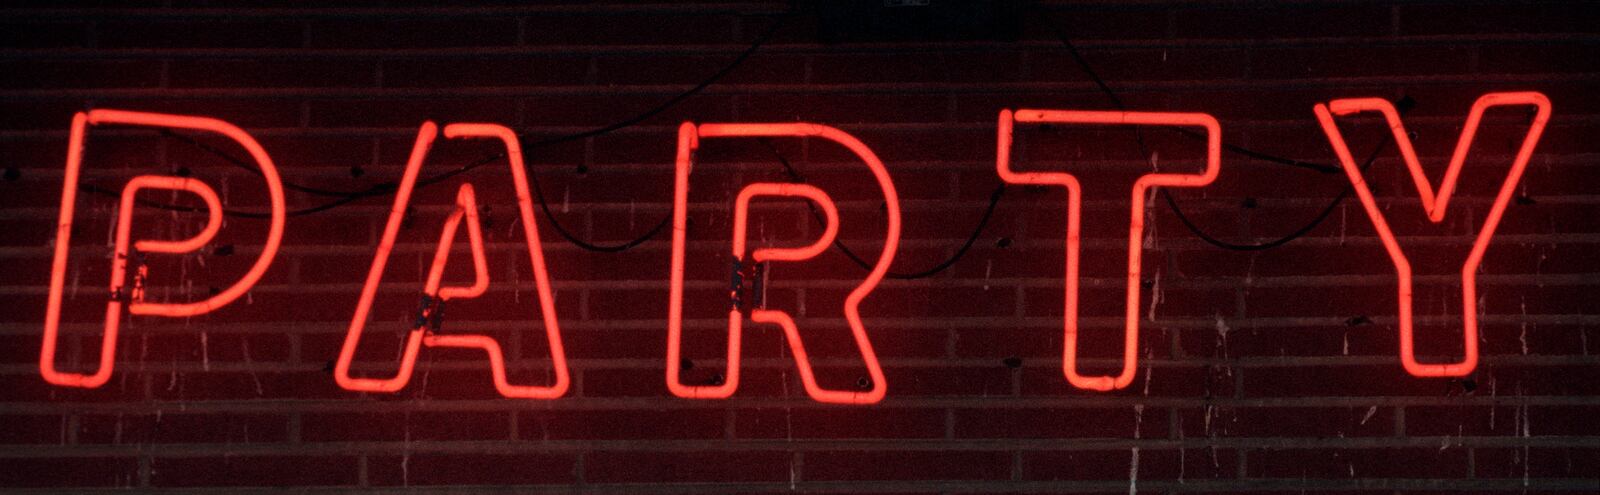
342	198
1404	104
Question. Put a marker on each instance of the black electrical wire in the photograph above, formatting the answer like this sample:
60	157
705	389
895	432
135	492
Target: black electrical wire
1117	101
376	190
629	122
586	245
342	198
1298	233
539	192
994	201
382	189
1172	203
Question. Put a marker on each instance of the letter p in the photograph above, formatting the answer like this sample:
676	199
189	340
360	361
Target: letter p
131	295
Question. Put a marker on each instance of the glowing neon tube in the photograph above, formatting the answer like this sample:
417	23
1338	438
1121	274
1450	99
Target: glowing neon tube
689	136
1130	349
1435	204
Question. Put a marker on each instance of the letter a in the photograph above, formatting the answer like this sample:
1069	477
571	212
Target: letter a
434	296
1130	350
688	141
1435	205
132	295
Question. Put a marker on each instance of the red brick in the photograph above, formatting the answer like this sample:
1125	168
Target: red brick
36	429
1039	344
419	426
1318	422
914	67
1559	420
607	108
1545	379
950	381
1539	462
122	387
1534	58
1089	22
77	74
1322	21
1483	420
198	34
1308	63
497	71
253	471
1486	19
1187	464
36	115
894	147
458	469
40	34
921	301
1122	66
653	424
206	347
413	33
1388	379
1376	463
846	108
182	428
40	472
668	467
218	385
270	73
411	113
1356	335
839	423
1060	423
653	29
907	465
759	68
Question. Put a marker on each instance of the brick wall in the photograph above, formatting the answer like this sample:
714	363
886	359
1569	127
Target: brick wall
1270	371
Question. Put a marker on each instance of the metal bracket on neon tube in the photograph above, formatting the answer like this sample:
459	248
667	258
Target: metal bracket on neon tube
466	210
1435	204
1130	353
119	264
689	136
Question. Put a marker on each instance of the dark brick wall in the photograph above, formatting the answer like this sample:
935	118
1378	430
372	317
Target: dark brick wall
1273	371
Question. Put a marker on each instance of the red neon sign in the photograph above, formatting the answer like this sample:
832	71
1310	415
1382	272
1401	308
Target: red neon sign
1130	349
1435	205
133	297
466	210
131	294
688	141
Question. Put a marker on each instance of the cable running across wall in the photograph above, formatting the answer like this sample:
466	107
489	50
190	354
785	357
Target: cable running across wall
383	189
1403	105
342	198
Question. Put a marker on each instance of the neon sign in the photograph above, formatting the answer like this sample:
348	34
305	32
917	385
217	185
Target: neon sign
132	295
1130	346
435	294
689	136
434	297
1435	205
